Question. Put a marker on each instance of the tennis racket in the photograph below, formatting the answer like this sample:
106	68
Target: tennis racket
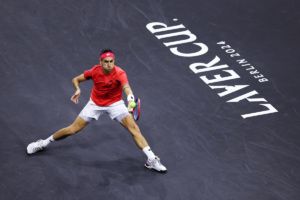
136	112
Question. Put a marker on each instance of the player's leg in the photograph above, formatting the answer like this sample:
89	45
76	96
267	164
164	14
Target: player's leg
133	128
72	129
119	112
153	162
88	113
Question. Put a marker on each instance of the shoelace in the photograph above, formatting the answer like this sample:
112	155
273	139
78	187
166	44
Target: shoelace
154	161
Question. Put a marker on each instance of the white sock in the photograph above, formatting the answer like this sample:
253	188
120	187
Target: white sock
149	153
48	140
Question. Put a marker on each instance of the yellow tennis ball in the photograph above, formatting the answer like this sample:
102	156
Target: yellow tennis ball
132	104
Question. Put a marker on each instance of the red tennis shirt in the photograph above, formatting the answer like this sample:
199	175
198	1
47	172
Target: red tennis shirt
107	88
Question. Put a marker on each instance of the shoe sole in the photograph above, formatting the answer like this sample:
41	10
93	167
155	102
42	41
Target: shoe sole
152	169
29	153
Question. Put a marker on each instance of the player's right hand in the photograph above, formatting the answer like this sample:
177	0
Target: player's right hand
75	97
130	109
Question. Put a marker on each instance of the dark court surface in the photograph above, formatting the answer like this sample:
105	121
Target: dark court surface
224	120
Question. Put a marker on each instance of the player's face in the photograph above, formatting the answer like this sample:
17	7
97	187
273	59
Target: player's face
108	64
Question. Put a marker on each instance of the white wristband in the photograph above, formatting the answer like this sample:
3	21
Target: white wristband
130	97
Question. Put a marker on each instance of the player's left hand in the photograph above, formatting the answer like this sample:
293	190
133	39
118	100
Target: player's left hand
75	97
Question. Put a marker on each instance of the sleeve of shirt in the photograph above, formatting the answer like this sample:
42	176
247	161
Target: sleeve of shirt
123	78
88	74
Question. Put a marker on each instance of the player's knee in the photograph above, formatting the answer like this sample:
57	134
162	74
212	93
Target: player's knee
73	129
135	131
133	126
130	124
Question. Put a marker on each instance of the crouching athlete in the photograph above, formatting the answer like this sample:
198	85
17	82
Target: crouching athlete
109	81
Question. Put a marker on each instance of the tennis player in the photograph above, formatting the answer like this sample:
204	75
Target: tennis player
109	81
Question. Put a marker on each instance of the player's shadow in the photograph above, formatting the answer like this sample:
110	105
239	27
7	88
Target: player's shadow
125	173
127	170
105	174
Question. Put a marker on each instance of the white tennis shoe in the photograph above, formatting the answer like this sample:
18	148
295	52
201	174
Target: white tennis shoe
156	165
36	146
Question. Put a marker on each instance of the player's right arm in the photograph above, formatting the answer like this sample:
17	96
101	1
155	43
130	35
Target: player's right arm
76	80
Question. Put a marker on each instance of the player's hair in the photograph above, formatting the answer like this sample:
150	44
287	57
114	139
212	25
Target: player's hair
105	51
